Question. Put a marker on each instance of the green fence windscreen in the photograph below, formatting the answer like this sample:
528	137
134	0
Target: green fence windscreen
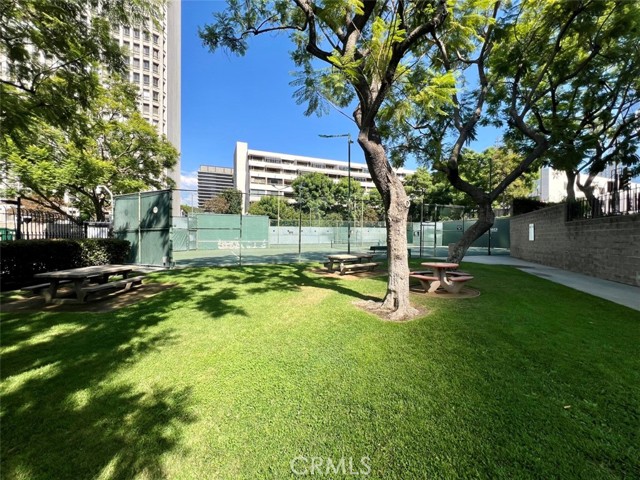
144	219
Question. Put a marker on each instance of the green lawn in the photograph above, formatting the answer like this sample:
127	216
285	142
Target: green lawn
238	372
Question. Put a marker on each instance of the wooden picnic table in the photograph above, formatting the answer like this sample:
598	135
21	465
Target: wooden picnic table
346	258
80	276
441	278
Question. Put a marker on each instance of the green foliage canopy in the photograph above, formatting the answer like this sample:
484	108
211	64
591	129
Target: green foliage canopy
274	207
227	202
54	50
115	147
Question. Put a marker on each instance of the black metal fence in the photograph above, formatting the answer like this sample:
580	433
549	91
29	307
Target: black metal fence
25	224
624	202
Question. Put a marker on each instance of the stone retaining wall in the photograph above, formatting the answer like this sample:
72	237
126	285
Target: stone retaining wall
607	247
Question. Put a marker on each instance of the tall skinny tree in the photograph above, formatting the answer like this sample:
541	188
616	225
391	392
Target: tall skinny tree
364	47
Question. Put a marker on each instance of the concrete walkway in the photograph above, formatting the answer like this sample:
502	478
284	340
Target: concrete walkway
626	295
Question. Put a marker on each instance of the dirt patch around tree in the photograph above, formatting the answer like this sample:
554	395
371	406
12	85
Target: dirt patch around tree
106	303
373	307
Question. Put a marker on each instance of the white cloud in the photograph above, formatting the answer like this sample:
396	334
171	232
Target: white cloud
189	180
188	188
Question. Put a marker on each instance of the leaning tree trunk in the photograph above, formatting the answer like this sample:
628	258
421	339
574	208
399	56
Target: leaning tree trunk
486	217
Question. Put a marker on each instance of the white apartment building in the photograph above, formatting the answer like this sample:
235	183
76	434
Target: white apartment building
258	173
552	185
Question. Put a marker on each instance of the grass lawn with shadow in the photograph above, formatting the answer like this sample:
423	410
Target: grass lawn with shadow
248	372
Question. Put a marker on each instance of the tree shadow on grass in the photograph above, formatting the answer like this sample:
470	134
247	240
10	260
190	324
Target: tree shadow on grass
64	416
210	288
67	413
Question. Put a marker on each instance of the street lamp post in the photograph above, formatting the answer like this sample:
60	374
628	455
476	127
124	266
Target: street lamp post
349	142
421	220
99	189
490	182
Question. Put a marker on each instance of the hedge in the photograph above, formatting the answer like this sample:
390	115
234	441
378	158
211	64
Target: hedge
21	259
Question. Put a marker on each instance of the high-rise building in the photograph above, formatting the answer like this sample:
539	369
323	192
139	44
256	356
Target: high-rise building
213	181
154	67
259	173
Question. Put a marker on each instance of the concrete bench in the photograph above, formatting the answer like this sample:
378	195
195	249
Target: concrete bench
38	289
424	279
458	282
358	267
458	273
125	285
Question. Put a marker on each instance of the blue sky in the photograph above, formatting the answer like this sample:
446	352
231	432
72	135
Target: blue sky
226	99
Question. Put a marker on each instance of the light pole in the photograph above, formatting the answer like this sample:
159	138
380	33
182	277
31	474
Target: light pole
99	190
490	202
421	220
349	142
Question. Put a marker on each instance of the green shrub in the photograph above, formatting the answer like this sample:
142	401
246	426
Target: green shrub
21	259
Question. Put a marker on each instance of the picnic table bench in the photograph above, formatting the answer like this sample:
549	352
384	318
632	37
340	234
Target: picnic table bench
349	263
358	267
125	284
82	278
441	277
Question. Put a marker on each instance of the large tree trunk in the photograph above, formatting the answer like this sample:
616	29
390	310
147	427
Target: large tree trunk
397	298
396	301
486	217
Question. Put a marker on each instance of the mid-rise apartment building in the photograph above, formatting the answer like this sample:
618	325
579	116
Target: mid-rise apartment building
213	181
258	173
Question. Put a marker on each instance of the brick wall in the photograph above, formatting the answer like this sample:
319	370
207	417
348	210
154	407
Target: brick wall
607	248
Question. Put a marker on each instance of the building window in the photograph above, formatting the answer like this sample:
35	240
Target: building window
156	96
126	30
155	110
126	46
136	48
136	77
145	94
156	39
156	53
136	33
145	65
145	108
146	51
156	81
136	63
145	79
156	68
145	36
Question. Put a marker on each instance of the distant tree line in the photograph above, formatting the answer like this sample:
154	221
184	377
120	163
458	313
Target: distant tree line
316	196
